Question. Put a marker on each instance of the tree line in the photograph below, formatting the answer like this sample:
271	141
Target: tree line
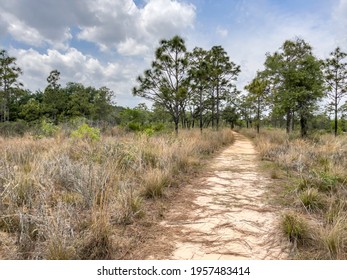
196	89
297	87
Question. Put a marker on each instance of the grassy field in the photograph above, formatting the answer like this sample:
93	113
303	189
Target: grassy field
83	198
310	182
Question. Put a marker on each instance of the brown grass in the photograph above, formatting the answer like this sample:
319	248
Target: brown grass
63	198
315	188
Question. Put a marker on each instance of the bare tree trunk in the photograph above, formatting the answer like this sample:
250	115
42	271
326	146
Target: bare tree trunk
288	121
335	109
217	105
303	124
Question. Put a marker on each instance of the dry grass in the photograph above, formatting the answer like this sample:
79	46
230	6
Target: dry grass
316	187
63	198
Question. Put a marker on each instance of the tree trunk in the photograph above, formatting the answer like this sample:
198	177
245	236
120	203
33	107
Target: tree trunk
200	111
288	121
335	109
303	126
176	126
258	116
213	108
217	108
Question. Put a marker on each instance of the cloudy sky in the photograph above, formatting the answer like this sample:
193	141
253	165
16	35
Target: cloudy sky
110	42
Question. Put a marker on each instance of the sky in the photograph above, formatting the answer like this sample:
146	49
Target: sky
111	42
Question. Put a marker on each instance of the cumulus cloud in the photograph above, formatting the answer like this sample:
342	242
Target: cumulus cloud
131	47
164	17
20	31
132	30
112	25
116	21
42	21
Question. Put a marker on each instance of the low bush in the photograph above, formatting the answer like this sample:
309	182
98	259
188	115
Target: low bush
85	132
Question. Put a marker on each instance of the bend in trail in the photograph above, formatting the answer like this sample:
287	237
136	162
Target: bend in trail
224	214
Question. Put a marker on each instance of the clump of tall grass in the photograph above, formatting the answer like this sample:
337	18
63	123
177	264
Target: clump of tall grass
311	199
334	239
65	197
296	228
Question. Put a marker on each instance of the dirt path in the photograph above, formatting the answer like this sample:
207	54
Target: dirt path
224	215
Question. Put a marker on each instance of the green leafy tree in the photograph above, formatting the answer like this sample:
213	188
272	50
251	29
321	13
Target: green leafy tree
136	118
335	74
79	100
9	73
31	110
103	103
296	80
166	82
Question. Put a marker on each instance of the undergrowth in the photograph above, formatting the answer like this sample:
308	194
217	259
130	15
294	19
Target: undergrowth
83	195
313	176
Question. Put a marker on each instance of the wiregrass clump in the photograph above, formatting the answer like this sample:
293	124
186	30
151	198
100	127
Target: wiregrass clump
70	198
295	228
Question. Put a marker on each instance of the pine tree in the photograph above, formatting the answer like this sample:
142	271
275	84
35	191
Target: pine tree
166	82
335	74
9	73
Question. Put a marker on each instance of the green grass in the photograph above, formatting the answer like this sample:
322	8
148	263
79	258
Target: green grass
295	228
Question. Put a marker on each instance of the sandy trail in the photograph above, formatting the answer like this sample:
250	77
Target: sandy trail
224	215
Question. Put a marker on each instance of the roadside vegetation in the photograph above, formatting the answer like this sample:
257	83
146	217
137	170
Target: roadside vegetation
310	182
86	195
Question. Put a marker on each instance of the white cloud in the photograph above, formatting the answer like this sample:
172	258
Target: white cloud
40	22
20	31
132	30
166	18
222	32
112	25
131	47
115	22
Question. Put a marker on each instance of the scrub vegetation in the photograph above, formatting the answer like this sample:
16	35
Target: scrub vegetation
311	187
78	196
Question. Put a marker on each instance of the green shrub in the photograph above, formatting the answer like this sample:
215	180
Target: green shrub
86	132
134	126
47	129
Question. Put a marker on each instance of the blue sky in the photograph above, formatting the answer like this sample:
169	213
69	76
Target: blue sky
110	42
